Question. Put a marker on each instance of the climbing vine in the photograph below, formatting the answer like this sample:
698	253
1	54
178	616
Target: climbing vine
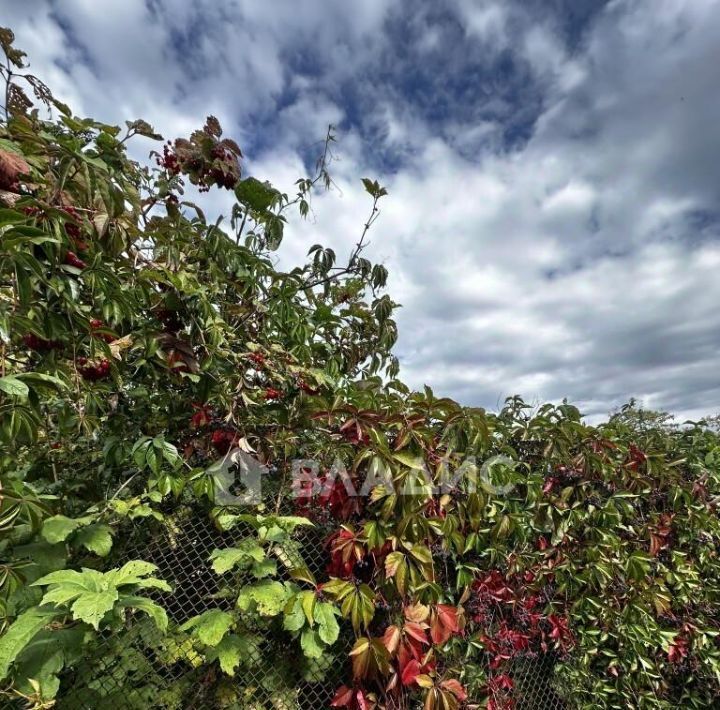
148	352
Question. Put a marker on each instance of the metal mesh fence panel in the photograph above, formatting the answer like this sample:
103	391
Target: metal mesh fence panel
143	668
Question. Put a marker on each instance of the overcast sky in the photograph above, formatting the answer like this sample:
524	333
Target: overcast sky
553	222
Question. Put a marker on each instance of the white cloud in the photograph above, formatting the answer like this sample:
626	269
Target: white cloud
571	265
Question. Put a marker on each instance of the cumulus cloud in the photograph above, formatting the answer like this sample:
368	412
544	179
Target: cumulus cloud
554	211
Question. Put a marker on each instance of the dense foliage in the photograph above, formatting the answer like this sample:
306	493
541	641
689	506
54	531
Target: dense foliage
142	344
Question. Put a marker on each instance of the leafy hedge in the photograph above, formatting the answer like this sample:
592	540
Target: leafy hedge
142	346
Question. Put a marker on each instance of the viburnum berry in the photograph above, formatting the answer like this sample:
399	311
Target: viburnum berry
92	372
40	345
168	160
72	259
96	324
257	358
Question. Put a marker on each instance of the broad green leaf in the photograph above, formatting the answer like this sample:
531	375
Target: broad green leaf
265	568
308	599
63	576
153	610
91	607
131	573
224	560
210	626
235	649
311	643
96	537
294	615
13	386
269	596
41	380
328	627
59	527
20	633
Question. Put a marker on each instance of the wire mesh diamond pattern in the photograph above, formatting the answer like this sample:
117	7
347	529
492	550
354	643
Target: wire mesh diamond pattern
143	668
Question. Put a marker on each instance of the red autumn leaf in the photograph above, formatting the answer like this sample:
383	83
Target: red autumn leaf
444	623
455	687
678	649
361	700
416	632
391	638
410	672
343	697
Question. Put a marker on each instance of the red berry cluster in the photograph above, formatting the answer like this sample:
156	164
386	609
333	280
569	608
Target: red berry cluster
97	324
40	345
168	160
272	393
205	159
93	371
258	359
330	499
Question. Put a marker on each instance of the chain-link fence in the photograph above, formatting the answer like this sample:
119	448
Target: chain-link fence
143	668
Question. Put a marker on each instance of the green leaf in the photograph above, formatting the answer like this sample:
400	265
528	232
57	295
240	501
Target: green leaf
308	601
311	643
359	606
236	649
265	568
12	386
256	195
210	626
62	576
131	573
153	610
328	627
20	633
268	596
409	460
224	560
97	538
91	607
294	615
228	653
42	381
59	527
